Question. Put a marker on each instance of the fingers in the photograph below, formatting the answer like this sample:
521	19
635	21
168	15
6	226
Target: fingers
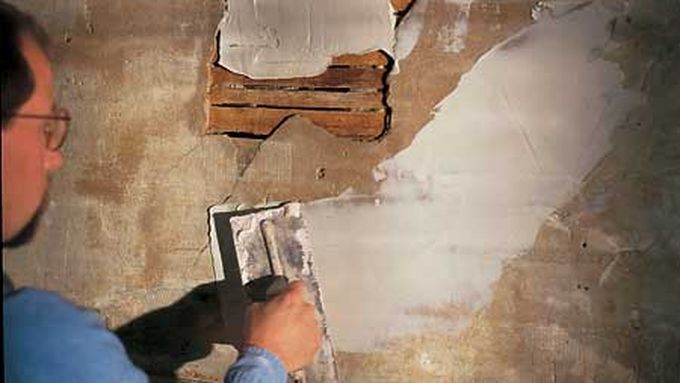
288	326
299	295
296	292
297	287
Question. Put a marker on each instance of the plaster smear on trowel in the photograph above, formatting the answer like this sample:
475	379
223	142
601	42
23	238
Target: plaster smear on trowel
508	147
298	38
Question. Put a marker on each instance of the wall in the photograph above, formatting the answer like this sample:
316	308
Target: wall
518	223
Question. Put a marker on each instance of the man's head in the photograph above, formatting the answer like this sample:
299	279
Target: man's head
28	115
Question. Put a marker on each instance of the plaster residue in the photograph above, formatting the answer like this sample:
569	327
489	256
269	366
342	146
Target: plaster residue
453	37
282	39
506	148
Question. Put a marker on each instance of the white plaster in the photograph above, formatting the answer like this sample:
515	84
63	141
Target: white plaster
298	38
509	146
409	30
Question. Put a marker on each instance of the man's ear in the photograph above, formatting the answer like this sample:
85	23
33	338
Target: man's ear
53	160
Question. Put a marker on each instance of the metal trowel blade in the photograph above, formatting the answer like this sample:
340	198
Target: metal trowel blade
276	242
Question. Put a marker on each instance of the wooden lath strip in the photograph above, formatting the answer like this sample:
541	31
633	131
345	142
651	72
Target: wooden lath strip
262	121
355	78
375	58
297	99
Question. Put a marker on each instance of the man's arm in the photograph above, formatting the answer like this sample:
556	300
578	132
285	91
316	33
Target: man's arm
48	339
281	335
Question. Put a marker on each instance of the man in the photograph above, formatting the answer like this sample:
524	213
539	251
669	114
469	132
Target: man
48	339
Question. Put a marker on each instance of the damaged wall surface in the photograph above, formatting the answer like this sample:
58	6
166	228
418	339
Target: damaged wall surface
501	154
519	222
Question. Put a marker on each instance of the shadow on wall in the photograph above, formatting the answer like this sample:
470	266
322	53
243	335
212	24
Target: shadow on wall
163	340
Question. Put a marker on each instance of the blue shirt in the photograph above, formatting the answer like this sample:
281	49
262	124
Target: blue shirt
48	339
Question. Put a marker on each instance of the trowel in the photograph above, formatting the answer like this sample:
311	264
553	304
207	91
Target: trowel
272	247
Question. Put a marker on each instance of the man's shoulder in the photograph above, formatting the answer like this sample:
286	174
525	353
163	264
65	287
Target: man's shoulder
48	337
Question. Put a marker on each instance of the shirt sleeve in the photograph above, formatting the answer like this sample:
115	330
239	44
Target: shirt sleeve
48	339
256	365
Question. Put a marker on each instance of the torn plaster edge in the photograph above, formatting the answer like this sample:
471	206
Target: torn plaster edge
408	31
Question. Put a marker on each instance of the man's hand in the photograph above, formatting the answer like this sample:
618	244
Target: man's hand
285	326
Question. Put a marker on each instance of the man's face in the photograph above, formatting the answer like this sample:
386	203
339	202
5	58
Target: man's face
25	158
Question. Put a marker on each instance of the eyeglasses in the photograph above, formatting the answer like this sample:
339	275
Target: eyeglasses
56	127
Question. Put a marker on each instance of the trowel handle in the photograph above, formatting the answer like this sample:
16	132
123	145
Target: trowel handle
265	288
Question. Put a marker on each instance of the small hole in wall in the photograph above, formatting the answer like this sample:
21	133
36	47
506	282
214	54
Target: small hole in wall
320	173
584	245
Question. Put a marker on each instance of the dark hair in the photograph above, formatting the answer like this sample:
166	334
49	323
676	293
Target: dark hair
16	78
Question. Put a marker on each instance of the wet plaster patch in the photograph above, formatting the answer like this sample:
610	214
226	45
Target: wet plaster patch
501	154
283	39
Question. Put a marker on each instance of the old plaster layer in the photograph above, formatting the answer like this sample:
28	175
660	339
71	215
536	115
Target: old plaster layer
284	39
